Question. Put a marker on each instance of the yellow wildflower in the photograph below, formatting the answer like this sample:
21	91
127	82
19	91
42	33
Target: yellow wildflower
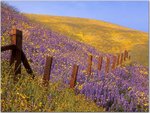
129	88
23	96
80	87
146	104
53	50
144	72
40	104
22	103
142	94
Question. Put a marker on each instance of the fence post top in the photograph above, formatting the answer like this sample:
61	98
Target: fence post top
75	65
90	55
129	51
49	56
15	31
114	56
100	56
14	27
118	53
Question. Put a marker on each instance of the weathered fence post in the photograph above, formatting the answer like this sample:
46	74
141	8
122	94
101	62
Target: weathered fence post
74	76
125	55
129	57
118	59
114	62
47	70
16	53
121	60
26	64
107	65
100	60
89	64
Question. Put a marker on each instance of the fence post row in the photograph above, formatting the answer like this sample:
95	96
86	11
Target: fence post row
74	76
89	64
100	60
47	70
16	39
18	55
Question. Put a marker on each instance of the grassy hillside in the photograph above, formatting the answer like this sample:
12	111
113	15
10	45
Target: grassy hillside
105	37
122	89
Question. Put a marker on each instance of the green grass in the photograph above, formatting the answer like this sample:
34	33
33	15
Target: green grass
30	95
106	37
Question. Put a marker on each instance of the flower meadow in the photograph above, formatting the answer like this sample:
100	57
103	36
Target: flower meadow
29	95
124	89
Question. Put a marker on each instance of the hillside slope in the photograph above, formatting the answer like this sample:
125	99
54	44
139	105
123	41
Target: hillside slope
105	37
39	42
122	89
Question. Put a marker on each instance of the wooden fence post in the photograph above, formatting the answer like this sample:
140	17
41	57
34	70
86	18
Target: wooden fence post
74	76
118	59
107	65
26	64
100	60
114	62
129	57
125	55
47	70
89	65
16	53
121	60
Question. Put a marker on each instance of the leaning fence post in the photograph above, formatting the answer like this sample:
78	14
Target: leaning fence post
107	65
100	60
26	64
89	64
74	76
47	70
114	62
16	39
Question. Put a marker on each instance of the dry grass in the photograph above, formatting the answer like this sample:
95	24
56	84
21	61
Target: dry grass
105	37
